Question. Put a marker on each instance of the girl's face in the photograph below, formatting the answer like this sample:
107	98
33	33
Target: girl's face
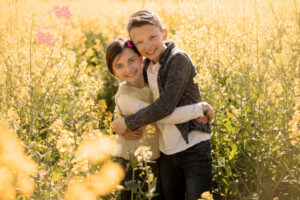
127	66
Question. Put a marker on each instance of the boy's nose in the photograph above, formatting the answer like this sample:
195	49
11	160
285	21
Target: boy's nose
147	45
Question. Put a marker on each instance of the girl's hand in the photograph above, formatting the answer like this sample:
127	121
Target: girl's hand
208	112
119	126
202	120
132	135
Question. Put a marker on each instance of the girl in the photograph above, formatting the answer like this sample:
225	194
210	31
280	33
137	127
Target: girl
124	62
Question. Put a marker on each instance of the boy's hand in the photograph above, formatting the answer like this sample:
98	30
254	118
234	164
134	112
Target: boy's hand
132	135
208	112
119	126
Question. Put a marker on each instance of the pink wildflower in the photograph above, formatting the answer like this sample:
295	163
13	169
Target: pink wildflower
47	27
62	12
66	12
45	38
58	14
55	8
68	24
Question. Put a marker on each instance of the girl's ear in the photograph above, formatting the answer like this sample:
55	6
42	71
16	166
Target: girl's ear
141	58
165	34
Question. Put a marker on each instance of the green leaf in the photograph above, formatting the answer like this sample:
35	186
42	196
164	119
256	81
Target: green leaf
132	185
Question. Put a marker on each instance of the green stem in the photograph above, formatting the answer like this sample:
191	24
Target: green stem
133	177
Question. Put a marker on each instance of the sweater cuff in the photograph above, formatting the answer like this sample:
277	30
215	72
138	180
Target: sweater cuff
130	123
199	109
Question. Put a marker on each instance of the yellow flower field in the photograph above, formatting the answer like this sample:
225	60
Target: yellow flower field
57	95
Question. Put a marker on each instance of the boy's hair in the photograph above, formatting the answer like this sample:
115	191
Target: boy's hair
143	17
115	48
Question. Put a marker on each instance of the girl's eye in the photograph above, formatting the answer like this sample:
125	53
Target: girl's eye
118	66
131	60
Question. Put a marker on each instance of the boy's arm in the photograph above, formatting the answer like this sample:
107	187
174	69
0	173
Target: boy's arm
178	76
181	114
184	114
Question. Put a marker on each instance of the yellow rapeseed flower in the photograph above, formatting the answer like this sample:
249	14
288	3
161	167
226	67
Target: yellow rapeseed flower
78	190
95	149
109	177
15	167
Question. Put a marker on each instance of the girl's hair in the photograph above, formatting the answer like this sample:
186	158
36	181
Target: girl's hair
115	48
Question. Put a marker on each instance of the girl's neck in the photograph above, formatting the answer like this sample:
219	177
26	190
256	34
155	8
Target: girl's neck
137	84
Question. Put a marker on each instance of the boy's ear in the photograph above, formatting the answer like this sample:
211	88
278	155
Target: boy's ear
141	58
165	34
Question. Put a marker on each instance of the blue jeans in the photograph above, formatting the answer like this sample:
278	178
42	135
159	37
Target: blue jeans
186	174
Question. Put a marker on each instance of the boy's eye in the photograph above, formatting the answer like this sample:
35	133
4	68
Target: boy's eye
152	36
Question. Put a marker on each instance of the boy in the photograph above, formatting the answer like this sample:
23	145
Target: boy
185	161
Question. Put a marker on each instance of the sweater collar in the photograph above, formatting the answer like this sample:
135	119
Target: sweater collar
167	52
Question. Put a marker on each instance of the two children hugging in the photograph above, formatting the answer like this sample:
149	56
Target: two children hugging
160	89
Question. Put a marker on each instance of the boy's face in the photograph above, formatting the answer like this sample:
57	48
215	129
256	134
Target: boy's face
149	41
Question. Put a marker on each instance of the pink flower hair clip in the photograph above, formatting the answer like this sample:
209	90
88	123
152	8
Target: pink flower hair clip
128	44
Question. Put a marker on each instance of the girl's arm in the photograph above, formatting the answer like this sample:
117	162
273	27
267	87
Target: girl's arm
182	114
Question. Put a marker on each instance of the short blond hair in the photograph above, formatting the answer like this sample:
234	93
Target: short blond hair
143	17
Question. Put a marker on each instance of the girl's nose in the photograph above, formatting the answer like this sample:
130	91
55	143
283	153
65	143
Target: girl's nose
129	69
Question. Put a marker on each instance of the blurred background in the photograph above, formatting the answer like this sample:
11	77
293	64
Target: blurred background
57	97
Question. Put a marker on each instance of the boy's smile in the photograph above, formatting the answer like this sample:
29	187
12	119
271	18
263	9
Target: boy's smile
149	41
